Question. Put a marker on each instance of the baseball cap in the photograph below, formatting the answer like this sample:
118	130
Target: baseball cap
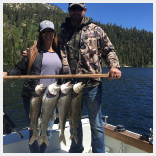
80	4
46	24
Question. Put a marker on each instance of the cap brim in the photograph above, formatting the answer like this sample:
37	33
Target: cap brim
46	28
76	4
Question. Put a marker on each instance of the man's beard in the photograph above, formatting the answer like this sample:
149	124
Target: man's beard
77	20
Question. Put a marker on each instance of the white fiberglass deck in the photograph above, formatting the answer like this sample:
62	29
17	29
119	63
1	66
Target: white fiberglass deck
12	143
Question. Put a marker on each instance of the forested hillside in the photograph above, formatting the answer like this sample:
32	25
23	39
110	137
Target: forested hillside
20	25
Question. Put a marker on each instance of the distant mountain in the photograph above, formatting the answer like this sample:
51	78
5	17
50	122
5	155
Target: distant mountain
20	29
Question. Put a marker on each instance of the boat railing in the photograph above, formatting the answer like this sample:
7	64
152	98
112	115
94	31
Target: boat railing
103	116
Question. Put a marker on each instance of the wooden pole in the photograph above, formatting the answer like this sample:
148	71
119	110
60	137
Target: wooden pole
56	76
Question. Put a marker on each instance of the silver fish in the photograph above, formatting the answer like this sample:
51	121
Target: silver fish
63	107
48	107
76	108
35	110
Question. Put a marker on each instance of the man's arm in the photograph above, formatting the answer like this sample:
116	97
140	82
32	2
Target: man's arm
111	59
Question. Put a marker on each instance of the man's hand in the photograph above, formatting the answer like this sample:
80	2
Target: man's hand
25	54
114	73
4	74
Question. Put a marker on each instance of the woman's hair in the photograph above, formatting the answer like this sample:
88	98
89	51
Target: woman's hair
37	47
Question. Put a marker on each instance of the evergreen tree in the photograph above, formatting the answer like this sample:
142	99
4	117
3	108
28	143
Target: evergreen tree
20	25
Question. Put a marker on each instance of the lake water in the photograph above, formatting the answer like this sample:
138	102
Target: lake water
127	101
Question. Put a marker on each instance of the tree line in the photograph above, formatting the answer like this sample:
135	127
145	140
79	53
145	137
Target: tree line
20	29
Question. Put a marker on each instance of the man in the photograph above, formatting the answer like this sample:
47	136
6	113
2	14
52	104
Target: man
82	44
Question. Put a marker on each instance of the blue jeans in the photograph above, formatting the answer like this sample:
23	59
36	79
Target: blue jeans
92	99
34	148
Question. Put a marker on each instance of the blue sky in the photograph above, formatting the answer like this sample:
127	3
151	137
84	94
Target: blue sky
139	15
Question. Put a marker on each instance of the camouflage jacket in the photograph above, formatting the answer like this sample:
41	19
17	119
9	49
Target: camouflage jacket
83	47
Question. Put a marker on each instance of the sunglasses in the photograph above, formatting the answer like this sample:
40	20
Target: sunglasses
78	8
51	32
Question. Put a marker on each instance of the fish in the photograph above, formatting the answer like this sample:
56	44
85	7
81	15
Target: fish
76	108
64	107
35	110
48	106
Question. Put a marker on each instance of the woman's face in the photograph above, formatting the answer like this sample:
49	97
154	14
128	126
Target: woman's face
48	35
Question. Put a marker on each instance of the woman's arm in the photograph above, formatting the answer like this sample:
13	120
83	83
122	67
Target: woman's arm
20	68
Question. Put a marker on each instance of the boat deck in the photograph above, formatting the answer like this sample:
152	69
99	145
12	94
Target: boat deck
115	142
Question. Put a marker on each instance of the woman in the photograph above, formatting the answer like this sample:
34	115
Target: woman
42	60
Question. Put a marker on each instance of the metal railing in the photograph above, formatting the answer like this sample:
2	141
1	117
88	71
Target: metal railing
103	116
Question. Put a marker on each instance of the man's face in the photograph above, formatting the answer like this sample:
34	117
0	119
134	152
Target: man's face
76	13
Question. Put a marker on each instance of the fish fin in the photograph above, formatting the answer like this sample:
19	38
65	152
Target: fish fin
75	138
69	116
71	136
40	127
33	138
57	115
71	125
40	141
31	99
30	126
62	138
52	117
74	135
44	140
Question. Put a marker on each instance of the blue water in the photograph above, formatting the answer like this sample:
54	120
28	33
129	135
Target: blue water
127	101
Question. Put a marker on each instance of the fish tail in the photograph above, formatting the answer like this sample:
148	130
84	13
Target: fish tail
33	138
62	138
74	135
41	142
44	140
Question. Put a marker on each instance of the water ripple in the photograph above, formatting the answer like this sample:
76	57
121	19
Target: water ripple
127	101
